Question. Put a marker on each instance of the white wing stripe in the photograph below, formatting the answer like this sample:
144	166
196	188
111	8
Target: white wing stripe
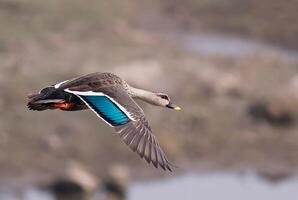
59	84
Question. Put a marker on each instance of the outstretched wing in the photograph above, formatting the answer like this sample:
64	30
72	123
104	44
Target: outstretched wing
138	136
119	110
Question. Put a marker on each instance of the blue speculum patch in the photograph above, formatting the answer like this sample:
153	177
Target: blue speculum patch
107	109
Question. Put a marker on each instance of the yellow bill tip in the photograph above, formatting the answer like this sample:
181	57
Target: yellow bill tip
177	108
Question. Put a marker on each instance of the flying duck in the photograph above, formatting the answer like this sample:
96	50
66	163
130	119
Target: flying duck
112	100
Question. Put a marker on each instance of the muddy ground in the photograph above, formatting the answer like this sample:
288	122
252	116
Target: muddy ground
232	70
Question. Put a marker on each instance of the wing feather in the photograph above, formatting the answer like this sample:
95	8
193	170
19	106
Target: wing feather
136	133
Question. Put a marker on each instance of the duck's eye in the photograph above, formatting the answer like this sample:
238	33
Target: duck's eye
164	96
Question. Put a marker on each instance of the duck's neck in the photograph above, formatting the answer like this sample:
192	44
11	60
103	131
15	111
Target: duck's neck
149	97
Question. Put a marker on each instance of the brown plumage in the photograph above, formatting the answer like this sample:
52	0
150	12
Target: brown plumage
127	118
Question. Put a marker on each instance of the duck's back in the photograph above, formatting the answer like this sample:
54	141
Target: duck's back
94	80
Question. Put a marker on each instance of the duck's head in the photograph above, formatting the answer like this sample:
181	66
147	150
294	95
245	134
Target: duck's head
164	100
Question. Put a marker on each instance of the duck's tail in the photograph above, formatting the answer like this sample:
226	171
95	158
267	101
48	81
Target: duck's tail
39	102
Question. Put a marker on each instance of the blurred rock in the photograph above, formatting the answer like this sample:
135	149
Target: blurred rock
77	173
79	184
279	108
275	176
67	189
114	185
76	184
261	111
213	81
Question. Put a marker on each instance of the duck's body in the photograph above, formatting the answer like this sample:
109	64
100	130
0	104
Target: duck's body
111	98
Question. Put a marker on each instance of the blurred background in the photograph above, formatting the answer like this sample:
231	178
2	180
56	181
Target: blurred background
232	65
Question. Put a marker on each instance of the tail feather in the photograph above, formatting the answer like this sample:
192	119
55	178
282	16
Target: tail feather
50	98
36	102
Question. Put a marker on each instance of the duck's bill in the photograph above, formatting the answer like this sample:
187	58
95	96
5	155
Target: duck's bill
173	106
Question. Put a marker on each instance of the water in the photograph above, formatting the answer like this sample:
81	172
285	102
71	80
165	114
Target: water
192	186
213	187
28	193
213	44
